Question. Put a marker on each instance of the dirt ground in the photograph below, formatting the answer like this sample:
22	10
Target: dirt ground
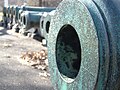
14	75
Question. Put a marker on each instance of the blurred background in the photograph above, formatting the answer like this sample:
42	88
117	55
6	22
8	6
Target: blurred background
44	3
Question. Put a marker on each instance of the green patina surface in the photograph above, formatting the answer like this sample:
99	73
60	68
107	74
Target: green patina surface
97	25
75	14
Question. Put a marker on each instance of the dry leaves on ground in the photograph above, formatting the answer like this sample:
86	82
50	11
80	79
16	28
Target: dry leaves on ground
37	60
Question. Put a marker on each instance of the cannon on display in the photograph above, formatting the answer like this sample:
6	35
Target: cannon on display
84	45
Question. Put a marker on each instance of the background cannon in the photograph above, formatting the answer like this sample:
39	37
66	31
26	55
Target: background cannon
83	45
46	24
36	9
32	9
41	9
8	11
42	24
11	16
30	19
4	11
16	11
11	11
14	18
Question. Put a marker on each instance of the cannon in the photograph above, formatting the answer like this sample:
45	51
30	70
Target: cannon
15	18
46	24
41	9
30	19
11	16
8	12
36	9
4	11
84	45
6	19
16	13
23	13
42	24
12	11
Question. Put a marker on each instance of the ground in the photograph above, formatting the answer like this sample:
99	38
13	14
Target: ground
14	75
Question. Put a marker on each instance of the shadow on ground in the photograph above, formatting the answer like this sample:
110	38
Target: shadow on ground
3	31
25	87
19	77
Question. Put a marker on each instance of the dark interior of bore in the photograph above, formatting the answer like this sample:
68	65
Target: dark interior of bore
14	12
42	24
47	26
24	20
20	19
19	16
68	52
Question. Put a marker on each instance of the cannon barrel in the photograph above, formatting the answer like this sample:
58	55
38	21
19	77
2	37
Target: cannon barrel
12	10
4	11
11	16
22	13
4	17
8	11
46	24
41	9
20	21
16	13
84	45
36	9
40	31
30	19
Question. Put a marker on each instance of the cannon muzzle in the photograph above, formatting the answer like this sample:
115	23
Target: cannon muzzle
30	19
84	45
46	23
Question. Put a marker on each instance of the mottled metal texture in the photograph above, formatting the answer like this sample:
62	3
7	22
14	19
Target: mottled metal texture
73	13
46	24
31	19
97	24
110	11
92	20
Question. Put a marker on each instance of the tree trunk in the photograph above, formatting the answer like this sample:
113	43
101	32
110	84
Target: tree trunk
40	2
